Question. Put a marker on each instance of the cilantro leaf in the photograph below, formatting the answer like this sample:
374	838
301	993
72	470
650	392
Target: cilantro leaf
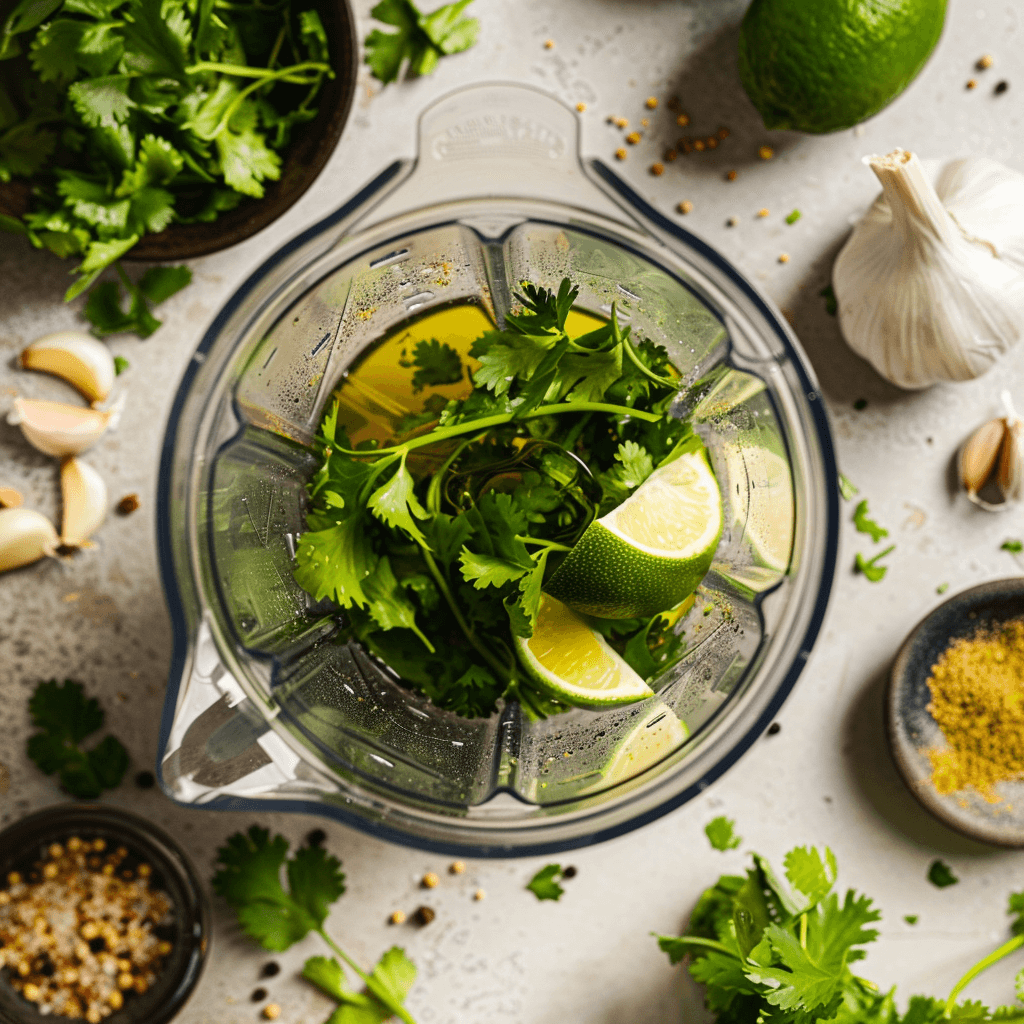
336	561
26	16
831	303
866	525
870	567
940	875
487	570
544	885
1015	547
120	365
448	30
395	503
66	718
420	40
721	835
389	606
436	364
160	283
1016	906
809	873
102	101
846	487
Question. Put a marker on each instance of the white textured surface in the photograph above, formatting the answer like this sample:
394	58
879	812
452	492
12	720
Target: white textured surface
826	778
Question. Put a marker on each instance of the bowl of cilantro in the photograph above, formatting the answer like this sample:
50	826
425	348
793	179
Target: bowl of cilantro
160	129
497	514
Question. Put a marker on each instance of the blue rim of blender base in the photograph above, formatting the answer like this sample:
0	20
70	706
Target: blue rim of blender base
401	837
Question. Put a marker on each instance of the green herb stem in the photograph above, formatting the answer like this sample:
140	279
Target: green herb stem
983	965
664	382
375	987
548	545
288	74
694	940
486	422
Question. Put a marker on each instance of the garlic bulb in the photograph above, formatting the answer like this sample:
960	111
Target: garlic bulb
58	429
992	459
930	285
85	502
25	537
78	358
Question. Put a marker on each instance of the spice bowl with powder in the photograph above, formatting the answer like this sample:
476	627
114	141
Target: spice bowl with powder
955	712
102	918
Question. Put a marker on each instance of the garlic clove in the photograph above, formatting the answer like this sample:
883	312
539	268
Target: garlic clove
25	537
85	502
980	453
1010	473
58	429
78	358
10	498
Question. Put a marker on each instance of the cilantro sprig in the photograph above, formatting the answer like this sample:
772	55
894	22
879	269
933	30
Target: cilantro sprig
419	40
137	114
250	880
436	544
780	949
66	718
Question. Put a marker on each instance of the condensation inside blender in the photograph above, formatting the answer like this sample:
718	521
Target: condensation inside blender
340	700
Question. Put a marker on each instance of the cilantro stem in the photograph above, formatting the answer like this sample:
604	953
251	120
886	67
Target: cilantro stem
549	545
994	957
803	931
664	382
372	984
485	422
242	71
694	940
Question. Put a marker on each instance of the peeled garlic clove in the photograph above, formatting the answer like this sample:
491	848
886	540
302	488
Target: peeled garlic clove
58	429
85	502
979	455
10	498
25	537
78	358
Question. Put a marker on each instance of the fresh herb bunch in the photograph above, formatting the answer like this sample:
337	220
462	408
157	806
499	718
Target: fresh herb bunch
249	879
66	718
130	115
781	954
437	545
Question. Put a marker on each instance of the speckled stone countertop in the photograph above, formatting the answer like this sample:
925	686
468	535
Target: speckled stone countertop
825	778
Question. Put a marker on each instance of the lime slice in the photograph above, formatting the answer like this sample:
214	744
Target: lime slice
766	515
649	553
572	662
658	734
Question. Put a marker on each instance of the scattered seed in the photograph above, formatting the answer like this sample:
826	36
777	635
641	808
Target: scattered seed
128	504
430	880
711	142
258	995
861	403
397	917
763	212
657	169
145	780
424	915
972	83
621	122
457	867
730	175
766	152
549	44
644	122
698	144
783	257
774	729
479	895
683	120
652	102
723	133
685	206
620	154
271	1011
670	155
569	872
270	970
581	107
316	838
789	315
985	62
633	138
1001	87
732	222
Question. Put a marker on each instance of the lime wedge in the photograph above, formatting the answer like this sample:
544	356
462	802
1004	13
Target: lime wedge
766	516
649	553
572	662
658	734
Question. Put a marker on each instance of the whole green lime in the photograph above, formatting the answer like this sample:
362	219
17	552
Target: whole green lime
824	65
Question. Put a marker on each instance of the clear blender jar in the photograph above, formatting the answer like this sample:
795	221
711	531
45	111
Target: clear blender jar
266	708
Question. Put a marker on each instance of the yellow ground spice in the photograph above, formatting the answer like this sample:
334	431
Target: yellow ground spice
977	688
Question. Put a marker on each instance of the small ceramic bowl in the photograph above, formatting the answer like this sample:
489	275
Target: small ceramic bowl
912	730
25	843
311	146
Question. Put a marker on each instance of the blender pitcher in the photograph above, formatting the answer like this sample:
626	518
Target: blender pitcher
267	709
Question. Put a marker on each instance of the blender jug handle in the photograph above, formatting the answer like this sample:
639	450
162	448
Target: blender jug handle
498	140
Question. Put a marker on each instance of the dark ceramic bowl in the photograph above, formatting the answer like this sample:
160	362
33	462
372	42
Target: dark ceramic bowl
311	146
26	841
913	731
